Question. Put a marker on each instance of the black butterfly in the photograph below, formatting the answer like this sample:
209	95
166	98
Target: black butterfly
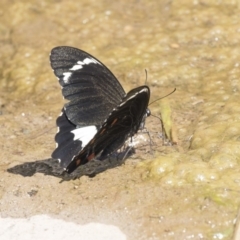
99	116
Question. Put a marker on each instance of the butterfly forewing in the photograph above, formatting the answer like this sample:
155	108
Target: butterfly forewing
123	122
92	89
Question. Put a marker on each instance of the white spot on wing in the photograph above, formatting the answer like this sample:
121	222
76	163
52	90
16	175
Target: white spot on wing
88	61
84	134
66	77
76	67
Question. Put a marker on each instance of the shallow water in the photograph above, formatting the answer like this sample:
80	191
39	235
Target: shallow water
188	190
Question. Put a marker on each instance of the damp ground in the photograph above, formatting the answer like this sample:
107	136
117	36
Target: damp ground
186	190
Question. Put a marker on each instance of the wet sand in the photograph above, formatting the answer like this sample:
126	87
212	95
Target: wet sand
188	190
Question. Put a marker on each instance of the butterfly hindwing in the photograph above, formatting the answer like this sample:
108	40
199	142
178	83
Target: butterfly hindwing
70	139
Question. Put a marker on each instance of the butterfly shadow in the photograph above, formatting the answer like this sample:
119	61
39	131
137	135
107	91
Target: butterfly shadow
52	167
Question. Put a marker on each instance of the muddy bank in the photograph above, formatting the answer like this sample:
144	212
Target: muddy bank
160	192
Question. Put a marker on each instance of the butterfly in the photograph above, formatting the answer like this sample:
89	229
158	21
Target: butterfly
99	116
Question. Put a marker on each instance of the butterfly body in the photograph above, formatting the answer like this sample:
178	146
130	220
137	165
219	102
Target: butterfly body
99	116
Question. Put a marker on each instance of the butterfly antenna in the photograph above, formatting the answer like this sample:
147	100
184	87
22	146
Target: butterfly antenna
146	77
163	97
